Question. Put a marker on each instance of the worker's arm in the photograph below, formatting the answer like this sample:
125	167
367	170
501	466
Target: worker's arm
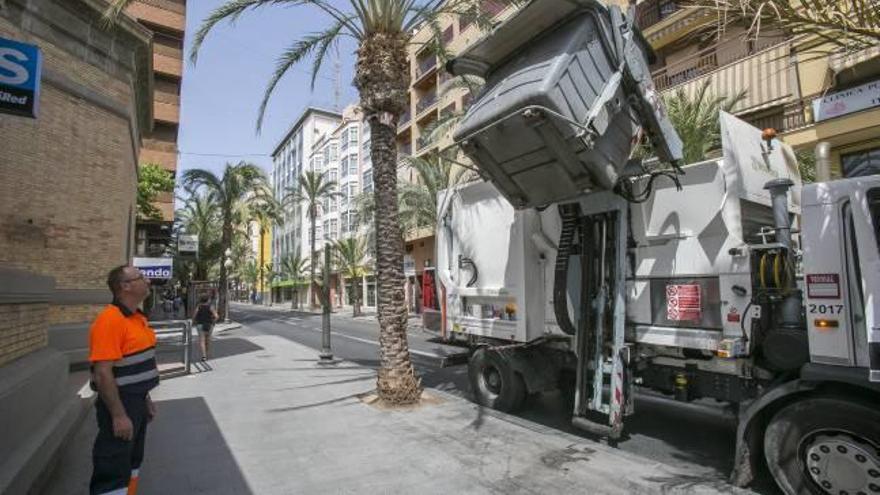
106	384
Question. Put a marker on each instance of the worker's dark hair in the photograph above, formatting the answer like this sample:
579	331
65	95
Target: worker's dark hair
203	299
115	278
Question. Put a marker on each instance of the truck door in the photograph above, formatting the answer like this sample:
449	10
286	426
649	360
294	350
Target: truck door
869	267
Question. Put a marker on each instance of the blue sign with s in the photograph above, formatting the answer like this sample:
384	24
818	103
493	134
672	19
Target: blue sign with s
20	65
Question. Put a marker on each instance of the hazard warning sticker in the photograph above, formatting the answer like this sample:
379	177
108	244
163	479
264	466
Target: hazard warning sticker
683	303
823	286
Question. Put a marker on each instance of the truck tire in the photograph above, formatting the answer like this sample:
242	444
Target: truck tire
494	381
825	445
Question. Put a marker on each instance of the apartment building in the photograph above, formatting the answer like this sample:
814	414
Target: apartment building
295	154
789	84
167	20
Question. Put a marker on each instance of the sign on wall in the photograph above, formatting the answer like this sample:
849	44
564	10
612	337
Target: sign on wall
154	268
847	101
20	65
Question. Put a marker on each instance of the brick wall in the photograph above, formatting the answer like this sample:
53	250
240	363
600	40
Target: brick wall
68	178
22	329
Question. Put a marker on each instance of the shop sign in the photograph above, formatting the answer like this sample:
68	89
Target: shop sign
154	268
20	65
848	101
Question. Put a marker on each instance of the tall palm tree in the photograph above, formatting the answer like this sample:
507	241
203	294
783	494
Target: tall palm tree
293	267
695	118
240	185
312	189
251	274
351	259
383	31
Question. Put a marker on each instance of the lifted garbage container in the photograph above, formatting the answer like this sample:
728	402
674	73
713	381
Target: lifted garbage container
567	91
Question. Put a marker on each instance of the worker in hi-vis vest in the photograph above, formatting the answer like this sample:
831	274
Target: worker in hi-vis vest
122	350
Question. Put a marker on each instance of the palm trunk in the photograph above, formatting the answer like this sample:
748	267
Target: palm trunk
313	283
226	242
396	381
262	284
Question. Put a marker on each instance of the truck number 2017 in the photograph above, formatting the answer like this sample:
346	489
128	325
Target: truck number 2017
826	309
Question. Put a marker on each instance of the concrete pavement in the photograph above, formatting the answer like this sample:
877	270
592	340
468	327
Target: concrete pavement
265	419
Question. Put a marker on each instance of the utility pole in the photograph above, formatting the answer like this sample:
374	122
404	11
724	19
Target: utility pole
336	77
326	356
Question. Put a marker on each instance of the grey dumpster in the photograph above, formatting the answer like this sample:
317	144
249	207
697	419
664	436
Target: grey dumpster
567	91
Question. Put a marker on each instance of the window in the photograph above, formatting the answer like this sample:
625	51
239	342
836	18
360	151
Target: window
343	142
368	180
334	201
334	175
352	165
353	133
343	167
861	163
326	230
334	229
874	207
334	152
352	191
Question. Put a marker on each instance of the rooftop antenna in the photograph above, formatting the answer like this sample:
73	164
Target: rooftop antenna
336	77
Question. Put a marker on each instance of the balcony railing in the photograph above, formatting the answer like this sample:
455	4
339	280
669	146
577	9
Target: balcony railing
426	102
425	65
423	142
763	73
404	119
653	11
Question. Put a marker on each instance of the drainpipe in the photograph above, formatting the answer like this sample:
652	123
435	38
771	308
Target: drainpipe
823	161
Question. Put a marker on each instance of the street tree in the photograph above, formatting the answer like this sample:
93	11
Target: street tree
153	180
311	189
696	119
351	259
382	30
240	184
419	200
200	215
293	268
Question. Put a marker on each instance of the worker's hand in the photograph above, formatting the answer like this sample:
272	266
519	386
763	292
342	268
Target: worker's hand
122	428
151	409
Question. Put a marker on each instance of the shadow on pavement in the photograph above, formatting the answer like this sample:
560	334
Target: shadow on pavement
186	452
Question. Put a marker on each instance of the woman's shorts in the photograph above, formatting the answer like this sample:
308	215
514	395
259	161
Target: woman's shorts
205	328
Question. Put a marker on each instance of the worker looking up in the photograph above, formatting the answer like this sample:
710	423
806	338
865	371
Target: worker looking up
122	353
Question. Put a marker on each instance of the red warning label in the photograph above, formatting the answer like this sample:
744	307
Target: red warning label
823	286
683	303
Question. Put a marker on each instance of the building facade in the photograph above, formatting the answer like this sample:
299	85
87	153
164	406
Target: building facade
167	21
796	85
68	181
294	155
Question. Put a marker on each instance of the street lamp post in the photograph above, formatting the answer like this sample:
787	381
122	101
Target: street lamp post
326	356
227	263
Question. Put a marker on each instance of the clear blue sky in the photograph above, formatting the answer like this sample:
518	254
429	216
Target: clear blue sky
222	92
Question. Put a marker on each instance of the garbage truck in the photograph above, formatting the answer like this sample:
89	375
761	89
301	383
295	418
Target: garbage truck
574	265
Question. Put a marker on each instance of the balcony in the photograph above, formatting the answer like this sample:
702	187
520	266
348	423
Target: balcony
425	66
405	117
423	142
764	72
653	11
426	102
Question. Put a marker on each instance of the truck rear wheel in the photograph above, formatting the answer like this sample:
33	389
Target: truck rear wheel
825	445
494	381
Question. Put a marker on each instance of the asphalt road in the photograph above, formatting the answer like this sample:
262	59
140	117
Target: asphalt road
700	437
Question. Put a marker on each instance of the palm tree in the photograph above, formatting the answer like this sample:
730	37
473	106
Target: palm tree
293	267
351	259
382	30
240	185
200	216
419	200
251	273
695	117
850	26
312	189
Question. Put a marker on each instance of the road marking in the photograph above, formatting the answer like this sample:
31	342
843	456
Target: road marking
373	342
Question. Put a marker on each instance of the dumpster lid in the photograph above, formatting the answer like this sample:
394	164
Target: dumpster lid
530	21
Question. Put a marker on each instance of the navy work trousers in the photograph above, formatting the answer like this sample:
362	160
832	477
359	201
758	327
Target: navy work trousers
116	462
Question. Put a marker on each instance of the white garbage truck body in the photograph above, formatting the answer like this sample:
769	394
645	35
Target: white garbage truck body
575	266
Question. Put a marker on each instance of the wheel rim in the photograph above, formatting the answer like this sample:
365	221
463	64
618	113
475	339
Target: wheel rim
842	463
492	379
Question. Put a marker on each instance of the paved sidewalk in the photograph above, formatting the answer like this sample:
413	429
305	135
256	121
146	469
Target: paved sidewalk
268	420
345	312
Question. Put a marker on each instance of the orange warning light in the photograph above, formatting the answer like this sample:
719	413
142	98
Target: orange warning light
822	324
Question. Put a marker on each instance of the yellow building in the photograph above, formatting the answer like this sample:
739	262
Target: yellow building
261	254
809	97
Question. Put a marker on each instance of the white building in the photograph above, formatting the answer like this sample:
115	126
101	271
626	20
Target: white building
291	157
336	145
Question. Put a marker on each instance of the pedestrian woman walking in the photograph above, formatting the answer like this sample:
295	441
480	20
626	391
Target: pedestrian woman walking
204	320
